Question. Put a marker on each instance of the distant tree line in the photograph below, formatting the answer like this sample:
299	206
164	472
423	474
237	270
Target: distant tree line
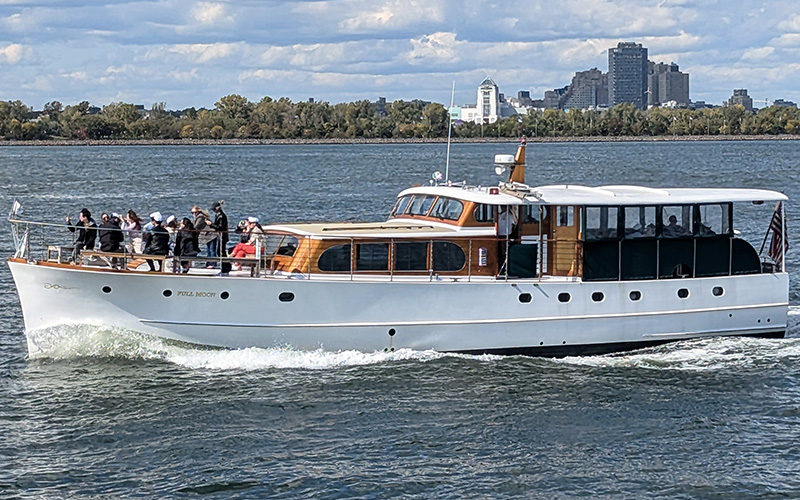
234	117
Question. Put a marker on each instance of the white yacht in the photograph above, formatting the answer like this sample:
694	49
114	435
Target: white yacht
568	270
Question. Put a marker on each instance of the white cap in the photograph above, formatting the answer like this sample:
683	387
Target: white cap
156	216
252	219
170	219
114	214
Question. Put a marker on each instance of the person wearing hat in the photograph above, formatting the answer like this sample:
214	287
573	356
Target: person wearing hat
220	225
110	236
255	233
87	233
156	241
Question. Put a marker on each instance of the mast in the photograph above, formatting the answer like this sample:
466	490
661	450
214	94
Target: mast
518	170
449	132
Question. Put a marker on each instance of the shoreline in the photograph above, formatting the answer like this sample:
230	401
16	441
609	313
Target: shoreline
265	142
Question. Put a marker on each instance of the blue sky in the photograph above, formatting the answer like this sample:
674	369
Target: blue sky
191	53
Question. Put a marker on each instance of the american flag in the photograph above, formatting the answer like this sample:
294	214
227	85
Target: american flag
779	245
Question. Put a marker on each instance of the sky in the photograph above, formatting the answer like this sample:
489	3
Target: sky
190	53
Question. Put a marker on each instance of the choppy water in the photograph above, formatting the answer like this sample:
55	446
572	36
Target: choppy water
110	414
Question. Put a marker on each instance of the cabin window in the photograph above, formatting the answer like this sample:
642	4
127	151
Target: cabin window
676	221
448	256
713	219
484	213
420	204
564	297
447	208
529	214
635	295
601	223
280	244
598	296
335	259
411	256
640	222
400	206
288	246
565	217
372	257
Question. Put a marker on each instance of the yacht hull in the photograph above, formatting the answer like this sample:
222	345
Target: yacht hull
551	317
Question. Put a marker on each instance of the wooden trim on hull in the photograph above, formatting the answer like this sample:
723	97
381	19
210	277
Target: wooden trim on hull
598	349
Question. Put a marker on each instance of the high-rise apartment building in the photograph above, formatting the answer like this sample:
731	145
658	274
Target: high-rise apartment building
665	84
627	74
588	90
740	97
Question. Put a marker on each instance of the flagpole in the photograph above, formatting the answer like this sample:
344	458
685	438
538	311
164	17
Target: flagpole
784	240
769	226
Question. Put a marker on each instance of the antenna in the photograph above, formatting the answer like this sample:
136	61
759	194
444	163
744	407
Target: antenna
449	132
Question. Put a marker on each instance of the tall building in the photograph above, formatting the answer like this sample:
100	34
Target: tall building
589	89
488	103
627	74
667	84
740	97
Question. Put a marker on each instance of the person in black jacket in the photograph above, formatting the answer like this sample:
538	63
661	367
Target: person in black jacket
87	233
110	236
186	243
156	241
220	225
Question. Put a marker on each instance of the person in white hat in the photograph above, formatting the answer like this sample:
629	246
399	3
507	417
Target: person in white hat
156	241
245	249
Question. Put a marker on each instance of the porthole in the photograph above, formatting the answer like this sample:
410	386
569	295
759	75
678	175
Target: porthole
718	291
598	296
167	293
683	293
564	297
635	295
286	297
525	298
224	295
106	289
392	331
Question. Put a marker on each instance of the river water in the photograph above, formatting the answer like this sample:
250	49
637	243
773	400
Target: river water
108	414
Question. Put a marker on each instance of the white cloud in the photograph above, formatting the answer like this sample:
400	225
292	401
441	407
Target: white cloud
391	15
433	49
791	24
758	54
208	13
206	52
13	53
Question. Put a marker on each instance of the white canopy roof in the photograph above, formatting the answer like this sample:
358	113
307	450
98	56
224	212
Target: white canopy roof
575	194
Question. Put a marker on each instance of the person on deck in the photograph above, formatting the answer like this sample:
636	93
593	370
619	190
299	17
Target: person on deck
254	233
156	242
220	225
186	243
87	233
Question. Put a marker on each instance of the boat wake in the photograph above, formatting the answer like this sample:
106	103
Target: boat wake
67	342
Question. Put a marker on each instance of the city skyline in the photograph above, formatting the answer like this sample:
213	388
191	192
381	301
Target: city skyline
189	54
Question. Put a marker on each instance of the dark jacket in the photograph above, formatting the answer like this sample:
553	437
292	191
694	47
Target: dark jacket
110	236
87	234
156	242
220	225
186	243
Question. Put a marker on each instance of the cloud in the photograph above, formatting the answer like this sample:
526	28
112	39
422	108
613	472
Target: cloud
206	52
758	54
207	13
435	48
791	24
12	54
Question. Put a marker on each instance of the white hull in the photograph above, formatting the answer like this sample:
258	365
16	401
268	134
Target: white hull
477	316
